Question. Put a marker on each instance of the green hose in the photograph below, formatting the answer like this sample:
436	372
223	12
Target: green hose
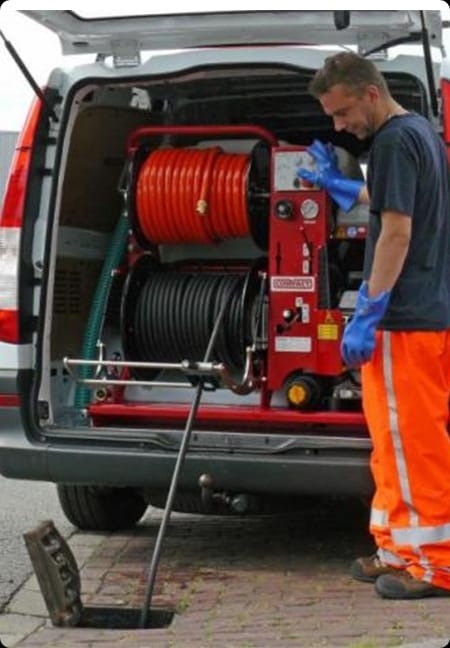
114	256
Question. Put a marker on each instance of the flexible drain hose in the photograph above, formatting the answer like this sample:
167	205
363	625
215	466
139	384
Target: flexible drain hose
175	312
193	196
114	255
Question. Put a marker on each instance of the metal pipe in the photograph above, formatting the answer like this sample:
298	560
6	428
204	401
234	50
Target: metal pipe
179	464
205	131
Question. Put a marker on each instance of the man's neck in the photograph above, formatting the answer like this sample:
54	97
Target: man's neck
389	110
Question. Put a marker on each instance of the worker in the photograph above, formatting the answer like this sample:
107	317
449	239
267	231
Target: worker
400	331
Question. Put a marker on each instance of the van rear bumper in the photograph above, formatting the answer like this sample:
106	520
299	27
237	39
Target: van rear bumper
339	471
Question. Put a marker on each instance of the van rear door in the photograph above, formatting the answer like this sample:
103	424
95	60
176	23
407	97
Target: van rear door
83	32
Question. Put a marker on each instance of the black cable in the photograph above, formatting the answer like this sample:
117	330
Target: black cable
199	315
182	284
140	322
168	340
176	311
184	319
150	296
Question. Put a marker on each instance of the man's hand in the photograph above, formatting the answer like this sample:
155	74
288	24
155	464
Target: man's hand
358	341
343	190
324	155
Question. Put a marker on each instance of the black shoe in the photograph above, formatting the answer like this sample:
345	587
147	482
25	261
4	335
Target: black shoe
404	586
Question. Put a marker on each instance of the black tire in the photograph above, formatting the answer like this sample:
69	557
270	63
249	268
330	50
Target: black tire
99	508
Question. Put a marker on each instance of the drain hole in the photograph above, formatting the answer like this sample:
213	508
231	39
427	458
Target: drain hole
124	618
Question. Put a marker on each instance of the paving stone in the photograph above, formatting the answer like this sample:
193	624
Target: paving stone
18	624
27	602
245	583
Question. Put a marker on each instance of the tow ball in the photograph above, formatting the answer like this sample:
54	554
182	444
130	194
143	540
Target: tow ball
238	503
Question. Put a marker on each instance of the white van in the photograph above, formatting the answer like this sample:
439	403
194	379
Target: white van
163	274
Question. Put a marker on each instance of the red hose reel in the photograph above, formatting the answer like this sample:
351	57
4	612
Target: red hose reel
197	195
192	196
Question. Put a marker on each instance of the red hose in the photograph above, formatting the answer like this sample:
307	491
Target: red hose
192	196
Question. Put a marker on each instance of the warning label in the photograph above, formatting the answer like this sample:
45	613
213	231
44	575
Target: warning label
292	284
328	332
293	344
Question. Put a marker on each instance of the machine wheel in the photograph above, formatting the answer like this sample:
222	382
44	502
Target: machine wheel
100	508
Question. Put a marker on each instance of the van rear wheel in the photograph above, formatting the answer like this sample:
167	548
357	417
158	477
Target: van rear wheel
101	508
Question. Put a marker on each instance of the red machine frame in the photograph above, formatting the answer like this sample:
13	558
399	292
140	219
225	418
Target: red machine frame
303	334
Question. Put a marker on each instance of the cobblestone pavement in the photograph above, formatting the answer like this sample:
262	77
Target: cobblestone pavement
254	582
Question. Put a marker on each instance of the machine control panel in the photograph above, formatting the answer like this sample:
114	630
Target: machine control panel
286	164
303	333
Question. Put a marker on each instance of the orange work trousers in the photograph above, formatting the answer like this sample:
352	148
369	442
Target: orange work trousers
406	388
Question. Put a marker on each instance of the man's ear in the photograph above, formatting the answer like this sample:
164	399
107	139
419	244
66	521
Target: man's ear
373	92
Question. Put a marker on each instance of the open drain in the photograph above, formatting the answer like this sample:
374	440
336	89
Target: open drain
59	580
123	619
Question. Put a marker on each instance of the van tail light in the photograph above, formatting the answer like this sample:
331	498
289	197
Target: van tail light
445	94
9	400
11	220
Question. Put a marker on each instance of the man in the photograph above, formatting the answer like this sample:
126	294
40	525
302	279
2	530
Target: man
400	332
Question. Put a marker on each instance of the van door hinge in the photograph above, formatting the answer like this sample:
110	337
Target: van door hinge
43	410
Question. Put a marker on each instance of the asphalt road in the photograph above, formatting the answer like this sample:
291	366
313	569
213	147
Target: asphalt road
23	505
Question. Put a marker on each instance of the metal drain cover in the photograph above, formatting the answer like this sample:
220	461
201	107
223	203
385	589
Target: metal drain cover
57	573
59	580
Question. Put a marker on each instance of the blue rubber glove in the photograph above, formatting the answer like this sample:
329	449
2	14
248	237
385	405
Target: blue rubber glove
343	190
358	341
324	155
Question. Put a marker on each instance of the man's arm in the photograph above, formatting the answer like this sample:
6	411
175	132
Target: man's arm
358	341
390	251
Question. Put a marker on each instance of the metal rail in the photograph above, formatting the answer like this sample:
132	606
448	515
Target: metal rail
195	369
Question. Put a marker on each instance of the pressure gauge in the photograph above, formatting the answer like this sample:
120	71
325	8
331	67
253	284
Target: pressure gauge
309	209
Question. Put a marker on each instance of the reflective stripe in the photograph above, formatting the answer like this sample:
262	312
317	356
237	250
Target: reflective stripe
428	576
425	564
390	558
378	517
394	427
429	571
417	536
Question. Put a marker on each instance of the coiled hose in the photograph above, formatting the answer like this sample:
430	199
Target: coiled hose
175	313
192	196
172	314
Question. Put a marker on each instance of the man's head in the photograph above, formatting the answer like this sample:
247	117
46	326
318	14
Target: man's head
353	92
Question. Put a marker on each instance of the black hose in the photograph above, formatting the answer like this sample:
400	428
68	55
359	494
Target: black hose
174	314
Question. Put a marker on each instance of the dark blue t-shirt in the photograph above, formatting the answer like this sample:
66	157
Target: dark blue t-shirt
408	172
